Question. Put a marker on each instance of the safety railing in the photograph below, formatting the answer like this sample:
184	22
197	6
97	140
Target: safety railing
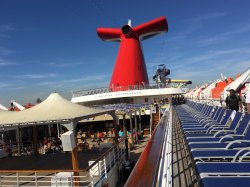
148	170
213	102
165	168
117	88
92	176
216	102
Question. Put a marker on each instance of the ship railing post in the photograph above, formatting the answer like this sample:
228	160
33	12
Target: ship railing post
110	164
105	167
36	178
99	170
55	178
72	178
114	155
17	179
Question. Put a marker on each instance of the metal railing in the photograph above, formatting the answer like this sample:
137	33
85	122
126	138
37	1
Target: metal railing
149	169
213	102
216	102
165	168
92	176
117	88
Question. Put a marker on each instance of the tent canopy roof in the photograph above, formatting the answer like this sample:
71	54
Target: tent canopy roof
54	109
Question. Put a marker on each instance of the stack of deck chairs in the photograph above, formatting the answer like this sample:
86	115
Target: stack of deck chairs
218	141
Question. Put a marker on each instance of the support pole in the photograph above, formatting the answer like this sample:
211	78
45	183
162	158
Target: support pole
126	136
49	129
58	130
18	141
35	140
115	122
131	129
136	129
75	166
140	122
74	155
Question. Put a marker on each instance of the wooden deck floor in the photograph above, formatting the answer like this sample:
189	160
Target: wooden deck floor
182	167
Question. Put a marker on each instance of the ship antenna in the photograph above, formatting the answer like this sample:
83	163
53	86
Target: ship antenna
129	23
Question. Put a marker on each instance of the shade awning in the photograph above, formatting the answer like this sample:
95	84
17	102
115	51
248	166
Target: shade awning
54	109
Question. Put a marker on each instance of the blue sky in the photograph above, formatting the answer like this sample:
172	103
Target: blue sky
52	45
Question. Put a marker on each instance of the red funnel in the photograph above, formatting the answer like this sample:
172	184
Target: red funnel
130	68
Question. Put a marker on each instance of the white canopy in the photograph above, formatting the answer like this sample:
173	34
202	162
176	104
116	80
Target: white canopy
55	109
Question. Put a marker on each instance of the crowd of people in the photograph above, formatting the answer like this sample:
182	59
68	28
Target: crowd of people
93	141
178	99
50	145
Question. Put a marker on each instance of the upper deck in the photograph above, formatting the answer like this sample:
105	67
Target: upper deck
134	91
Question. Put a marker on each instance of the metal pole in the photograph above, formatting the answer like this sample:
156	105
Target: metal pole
115	122
136	129
131	129
58	130
126	136
49	128
140	122
35	140
18	141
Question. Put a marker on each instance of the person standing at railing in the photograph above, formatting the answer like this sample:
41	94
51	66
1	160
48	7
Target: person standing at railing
233	101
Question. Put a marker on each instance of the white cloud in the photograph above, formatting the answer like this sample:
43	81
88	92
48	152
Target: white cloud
4	85
17	88
49	83
224	36
6	27
216	54
88	81
229	68
68	64
36	76
92	78
4	51
208	16
211	40
193	25
6	63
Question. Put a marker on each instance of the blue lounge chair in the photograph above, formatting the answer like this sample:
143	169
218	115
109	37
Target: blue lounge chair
221	122
242	132
218	155
223	174
220	131
225	181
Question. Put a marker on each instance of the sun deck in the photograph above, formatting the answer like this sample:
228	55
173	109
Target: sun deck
165	160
